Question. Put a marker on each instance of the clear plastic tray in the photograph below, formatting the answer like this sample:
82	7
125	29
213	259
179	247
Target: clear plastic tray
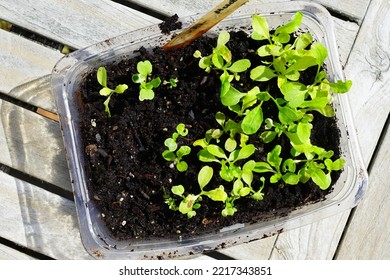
70	70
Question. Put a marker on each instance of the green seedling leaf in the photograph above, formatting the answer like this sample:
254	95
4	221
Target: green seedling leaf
320	178
294	93
268	136
334	165
102	76
273	157
262	74
302	41
206	156
171	144
291	178
240	66
289	165
186	205
217	194
105	91
181	129
243	153
230	144
218	61
106	108
303	63
287	115
291	26
121	88
304	132
263	167
204	176
182	166
183	151
319	52
260	28
168	155
223	38
155	82
229	95
178	190
146	94
144	67
216	151
226	173
252	121
340	86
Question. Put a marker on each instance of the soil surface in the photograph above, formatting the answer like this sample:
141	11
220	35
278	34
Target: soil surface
127	173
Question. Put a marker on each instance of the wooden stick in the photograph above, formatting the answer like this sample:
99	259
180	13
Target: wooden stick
202	25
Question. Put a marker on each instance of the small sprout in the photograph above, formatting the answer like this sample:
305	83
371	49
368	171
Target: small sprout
175	154
106	91
146	87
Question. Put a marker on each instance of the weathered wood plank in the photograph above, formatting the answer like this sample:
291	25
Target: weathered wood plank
23	61
255	250
7	253
355	9
367	67
368	234
32	144
76	23
315	241
39	220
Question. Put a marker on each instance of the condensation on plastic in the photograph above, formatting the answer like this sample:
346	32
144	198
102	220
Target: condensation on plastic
69	72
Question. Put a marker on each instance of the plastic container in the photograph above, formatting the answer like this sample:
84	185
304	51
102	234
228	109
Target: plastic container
70	70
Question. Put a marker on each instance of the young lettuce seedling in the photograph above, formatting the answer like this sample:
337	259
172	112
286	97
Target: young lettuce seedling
190	202
173	153
106	91
146	87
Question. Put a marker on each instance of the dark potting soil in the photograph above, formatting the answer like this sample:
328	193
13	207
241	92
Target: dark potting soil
126	171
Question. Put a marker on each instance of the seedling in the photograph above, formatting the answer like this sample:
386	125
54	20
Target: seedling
174	153
106	91
190	202
146	87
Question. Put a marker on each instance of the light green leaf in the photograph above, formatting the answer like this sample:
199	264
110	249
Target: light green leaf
216	151
181	166
243	153
302	63
183	151
319	52
240	66
304	132
229	95
262	74
268	136
340	86
294	93
105	91
291	26
273	157
262	167
106	108
287	115
223	38
170	144
204	176
120	88
320	178
146	94
291	178
168	155
144	67
260	28
217	194
102	76
178	190
252	121
230	144
303	40
205	156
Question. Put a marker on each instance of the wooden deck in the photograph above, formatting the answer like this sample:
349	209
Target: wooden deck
37	213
